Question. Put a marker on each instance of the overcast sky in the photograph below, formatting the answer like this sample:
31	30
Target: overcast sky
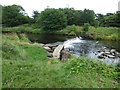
99	6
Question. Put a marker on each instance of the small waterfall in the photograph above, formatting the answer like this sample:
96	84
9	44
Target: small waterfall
68	43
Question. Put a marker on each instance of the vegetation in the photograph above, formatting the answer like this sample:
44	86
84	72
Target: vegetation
52	19
86	27
108	20
14	15
26	65
99	33
29	67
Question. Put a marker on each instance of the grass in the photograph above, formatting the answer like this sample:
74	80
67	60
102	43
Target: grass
25	65
99	33
105	33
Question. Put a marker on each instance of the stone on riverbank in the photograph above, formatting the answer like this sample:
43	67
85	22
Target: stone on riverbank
48	49
57	51
41	44
65	55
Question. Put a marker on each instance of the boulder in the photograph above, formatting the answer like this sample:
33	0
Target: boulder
104	47
48	49
112	50
101	56
99	50
118	54
65	55
53	48
51	45
49	54
57	51
106	50
41	44
111	56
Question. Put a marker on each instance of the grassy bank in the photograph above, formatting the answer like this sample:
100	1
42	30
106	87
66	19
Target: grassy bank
26	65
99	33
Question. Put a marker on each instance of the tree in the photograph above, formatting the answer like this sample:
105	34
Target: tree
112	20
100	19
52	19
70	14
36	14
88	16
13	15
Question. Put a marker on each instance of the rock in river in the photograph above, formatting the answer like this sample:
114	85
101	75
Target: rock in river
111	56
112	50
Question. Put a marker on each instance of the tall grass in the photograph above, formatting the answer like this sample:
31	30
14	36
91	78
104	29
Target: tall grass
105	33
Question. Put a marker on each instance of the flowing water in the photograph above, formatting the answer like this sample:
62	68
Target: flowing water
78	45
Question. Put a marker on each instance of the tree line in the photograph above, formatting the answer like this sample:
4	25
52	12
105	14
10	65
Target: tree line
50	18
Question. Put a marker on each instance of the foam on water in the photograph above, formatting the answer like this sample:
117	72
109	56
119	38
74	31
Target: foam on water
68	43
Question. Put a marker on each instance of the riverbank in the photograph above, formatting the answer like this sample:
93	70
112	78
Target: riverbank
29	67
99	33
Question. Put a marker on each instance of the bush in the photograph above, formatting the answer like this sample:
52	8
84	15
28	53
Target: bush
86	27
77	65
52	19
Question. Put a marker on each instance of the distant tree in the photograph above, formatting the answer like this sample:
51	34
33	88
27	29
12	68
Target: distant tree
88	16
108	14
13	15
36	14
118	19
100	19
70	14
78	17
112	20
52	19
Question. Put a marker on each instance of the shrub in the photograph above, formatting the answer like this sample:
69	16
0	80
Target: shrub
86	27
52	19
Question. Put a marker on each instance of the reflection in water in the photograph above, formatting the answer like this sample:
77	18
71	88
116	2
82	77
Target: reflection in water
78	45
46	38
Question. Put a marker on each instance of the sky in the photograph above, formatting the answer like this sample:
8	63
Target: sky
99	6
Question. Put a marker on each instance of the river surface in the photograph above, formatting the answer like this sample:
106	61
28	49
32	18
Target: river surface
79	45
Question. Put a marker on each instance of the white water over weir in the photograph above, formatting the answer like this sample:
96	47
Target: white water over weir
68	43
90	47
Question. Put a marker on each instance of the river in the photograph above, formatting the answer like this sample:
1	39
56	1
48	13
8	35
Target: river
79	45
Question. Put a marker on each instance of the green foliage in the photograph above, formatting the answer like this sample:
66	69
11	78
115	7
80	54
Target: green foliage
52	19
104	33
110	19
70	14
78	17
84	65
13	49
88	16
14	15
86	27
36	14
